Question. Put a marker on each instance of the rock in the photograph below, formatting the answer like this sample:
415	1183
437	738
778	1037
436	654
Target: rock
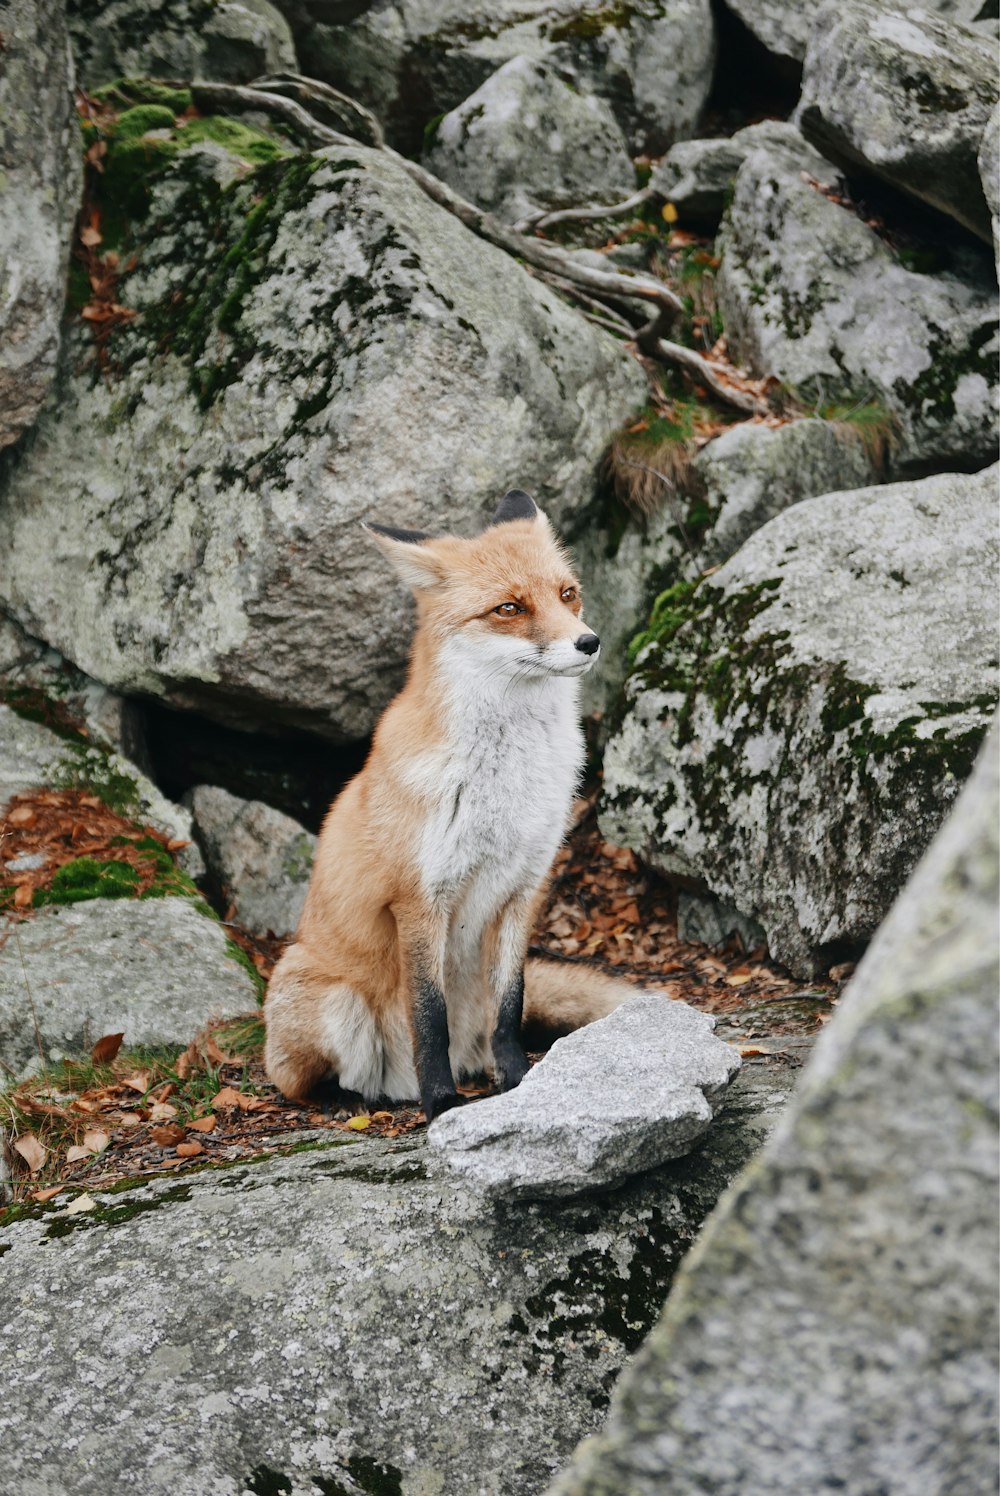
154	969
616	1097
652	60
798	726
841	1307
736	483
812	296
989	172
712	922
904	95
39	194
228	41
261	858
751	473
529	140
696	175
404	1298
32	756
342	349
33	674
785	26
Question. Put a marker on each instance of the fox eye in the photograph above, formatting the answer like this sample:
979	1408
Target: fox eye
569	594
507	610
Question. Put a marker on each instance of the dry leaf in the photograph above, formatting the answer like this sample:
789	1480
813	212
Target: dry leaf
23	896
168	1136
381	1116
129	1119
22	815
74	1154
89	237
32	1151
105	1049
358	1124
226	1097
137	1082
213	1053
79	1206
96	1141
189	1150
203	1124
48	1194
162	1111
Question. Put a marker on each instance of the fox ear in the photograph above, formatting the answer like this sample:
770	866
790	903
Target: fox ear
412	558
515	504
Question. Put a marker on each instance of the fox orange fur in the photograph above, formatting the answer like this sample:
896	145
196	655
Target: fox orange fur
408	969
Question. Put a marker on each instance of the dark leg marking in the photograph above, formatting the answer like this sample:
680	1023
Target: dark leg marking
430	1027
508	1050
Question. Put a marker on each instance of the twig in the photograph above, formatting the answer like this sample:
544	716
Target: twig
708	373
591	213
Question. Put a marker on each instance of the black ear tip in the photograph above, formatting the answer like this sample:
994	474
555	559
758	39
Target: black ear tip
515	504
410	537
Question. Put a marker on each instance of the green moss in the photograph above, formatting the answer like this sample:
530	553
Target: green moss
238	139
932	393
235	953
591	24
134	123
127	92
85	878
670	610
88	768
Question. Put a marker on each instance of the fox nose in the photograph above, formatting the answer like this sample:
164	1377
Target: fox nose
588	644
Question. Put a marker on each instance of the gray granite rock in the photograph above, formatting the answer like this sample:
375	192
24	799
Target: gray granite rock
836	1327
261	858
812	296
696	175
799	725
378	361
905	95
785	26
154	969
40	180
712	922
32	756
409	61
989	172
338	1320
528	139
615	1097
230	41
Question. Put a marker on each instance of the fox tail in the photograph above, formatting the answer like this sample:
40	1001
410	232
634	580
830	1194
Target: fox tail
561	996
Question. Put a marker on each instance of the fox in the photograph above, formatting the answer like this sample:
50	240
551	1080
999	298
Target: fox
409	972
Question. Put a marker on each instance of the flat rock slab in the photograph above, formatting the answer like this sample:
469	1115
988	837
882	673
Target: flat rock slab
337	1321
616	1097
154	969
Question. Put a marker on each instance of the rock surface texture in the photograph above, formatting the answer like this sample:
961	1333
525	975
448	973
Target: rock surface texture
989	172
261	859
696	175
616	1097
372	1328
40	181
904	95
229	41
32	757
785	26
340	349
408	61
874	1365
798	726
154	969
812	296
527	140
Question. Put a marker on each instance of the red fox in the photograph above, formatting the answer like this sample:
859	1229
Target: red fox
408	969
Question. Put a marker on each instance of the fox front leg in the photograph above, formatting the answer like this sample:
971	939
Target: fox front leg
507	950
423	966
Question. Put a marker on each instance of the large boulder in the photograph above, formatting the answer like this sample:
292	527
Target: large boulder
811	295
383	1328
906	96
230	41
798	725
836	1327
316	343
989	172
736	483
528	139
652	60
785	26
260	859
155	970
40	181
696	175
